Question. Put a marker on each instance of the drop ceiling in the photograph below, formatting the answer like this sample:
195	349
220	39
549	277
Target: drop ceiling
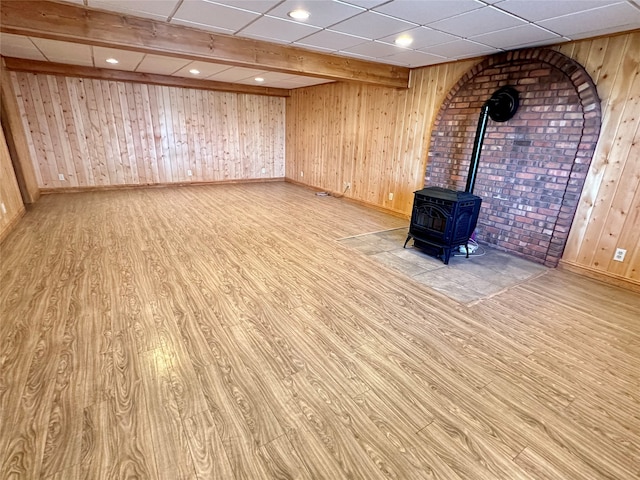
441	31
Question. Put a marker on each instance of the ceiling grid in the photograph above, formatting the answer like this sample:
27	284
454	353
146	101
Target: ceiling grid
439	31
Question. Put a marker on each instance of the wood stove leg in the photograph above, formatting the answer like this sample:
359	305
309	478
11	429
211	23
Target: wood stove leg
447	254
406	241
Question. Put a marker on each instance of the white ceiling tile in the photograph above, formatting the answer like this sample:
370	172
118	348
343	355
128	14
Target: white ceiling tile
484	20
312	47
427	11
331	40
206	69
277	77
355	55
65	52
19	47
459	49
601	31
269	80
278	29
251	81
541	43
544	9
365	3
156	9
422	37
213	15
200	26
414	58
161	65
515	36
258	6
619	17
265	39
391	61
322	14
235	74
492	29
374	49
372	25
127	60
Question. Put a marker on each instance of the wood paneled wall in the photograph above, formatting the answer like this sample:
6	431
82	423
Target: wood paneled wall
608	215
99	133
374	138
16	137
11	206
377	139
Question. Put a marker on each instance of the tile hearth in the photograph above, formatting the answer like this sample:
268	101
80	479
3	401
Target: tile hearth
465	280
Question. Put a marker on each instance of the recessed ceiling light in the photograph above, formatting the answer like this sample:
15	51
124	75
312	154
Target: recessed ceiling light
112	61
259	79
403	41
299	14
194	71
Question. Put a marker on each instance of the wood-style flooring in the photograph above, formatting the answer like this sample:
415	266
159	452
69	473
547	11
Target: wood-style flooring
222	332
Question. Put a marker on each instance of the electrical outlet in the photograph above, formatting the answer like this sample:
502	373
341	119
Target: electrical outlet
264	170
347	185
619	255
189	173
302	174
61	177
390	195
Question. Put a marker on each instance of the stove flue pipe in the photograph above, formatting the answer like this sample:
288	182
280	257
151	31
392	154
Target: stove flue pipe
502	106
477	147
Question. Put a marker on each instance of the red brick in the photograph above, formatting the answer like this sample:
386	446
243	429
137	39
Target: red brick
531	161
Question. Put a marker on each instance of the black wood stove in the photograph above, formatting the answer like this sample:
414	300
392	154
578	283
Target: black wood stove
442	220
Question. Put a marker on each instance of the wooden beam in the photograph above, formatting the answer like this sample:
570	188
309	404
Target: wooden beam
34	66
46	19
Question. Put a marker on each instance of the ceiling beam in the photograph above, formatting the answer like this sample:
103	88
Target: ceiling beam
71	23
34	66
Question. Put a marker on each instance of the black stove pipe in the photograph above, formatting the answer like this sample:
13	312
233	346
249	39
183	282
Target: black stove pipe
477	147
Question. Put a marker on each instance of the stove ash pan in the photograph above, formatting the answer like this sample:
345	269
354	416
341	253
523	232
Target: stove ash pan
442	220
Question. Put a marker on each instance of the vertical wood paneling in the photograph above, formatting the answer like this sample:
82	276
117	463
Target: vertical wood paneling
27	109
16	127
10	198
150	141
105	136
377	139
374	138
38	123
106	133
608	215
83	125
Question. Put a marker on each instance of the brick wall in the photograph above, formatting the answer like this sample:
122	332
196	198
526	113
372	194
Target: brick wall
533	166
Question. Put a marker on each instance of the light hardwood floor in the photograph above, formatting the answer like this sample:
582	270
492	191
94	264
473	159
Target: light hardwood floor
223	332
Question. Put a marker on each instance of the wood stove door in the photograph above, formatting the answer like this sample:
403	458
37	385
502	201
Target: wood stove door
431	221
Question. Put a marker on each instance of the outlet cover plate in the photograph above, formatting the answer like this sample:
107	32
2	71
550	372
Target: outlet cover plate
619	255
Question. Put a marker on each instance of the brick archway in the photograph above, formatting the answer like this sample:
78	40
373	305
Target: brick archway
533	167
